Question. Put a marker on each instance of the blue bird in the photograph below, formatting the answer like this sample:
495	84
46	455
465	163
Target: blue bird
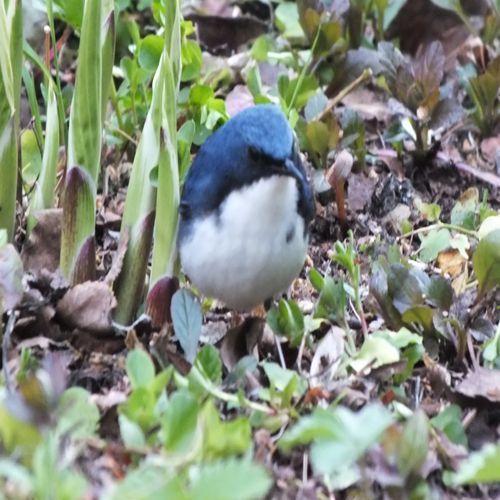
245	210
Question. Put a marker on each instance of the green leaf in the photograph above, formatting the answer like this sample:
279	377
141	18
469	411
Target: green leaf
486	262
223	439
131	433
231	479
209	360
436	241
339	436
187	319
287	20
179	422
481	467
31	159
375	352
414	444
449	421
140	369
76	415
150	52
151	482
287	320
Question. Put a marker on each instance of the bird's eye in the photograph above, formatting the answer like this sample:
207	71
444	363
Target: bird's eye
254	154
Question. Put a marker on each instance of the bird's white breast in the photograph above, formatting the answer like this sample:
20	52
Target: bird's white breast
252	248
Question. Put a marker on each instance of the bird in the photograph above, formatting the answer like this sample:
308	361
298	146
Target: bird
245	210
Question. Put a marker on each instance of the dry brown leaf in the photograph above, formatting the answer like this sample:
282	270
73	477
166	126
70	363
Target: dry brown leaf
481	383
327	357
238	99
451	262
43	247
490	148
88	307
11	276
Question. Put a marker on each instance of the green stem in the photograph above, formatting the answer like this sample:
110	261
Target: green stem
441	225
227	397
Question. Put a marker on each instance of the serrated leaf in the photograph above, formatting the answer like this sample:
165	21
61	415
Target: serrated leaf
230	479
187	320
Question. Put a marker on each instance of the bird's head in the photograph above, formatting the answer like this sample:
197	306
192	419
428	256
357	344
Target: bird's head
256	143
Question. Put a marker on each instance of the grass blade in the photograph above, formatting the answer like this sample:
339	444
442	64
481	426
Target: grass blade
10	94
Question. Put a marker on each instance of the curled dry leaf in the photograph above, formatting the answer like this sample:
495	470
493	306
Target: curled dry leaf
327	357
88	307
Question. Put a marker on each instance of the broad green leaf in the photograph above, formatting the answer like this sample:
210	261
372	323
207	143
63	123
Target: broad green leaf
414	444
287	20
76	415
209	360
31	159
481	467
231	479
150	52
449	421
434	242
187	319
339	437
151	481
375	352
131	433
179	422
224	438
486	261
140	369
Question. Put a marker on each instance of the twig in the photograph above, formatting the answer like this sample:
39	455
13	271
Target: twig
366	75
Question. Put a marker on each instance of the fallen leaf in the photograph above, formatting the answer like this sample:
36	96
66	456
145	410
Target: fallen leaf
87	306
238	99
11	276
490	149
43	247
481	383
451	262
327	357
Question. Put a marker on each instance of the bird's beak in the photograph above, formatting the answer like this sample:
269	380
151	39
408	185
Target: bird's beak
292	169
